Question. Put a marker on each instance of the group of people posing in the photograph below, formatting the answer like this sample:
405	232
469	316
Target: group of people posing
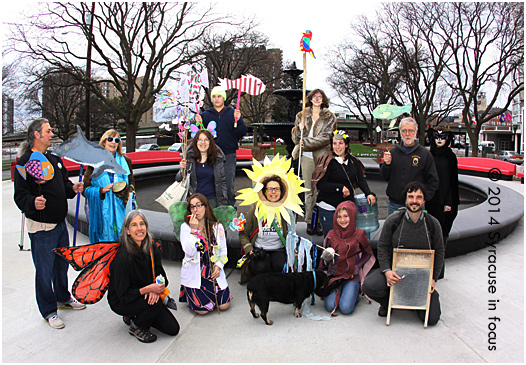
331	174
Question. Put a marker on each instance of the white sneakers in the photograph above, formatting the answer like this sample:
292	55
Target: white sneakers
72	304
55	322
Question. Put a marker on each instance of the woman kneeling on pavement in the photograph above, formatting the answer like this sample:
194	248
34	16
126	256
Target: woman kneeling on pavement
203	280
133	292
348	257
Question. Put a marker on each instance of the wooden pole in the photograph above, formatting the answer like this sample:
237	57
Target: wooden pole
303	106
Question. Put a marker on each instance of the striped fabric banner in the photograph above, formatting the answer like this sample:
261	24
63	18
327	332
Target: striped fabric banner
247	83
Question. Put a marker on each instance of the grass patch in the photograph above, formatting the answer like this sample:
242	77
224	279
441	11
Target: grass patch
359	150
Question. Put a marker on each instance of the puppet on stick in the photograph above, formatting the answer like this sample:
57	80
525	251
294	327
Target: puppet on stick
246	83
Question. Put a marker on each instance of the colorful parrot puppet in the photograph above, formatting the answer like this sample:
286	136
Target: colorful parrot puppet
305	43
38	167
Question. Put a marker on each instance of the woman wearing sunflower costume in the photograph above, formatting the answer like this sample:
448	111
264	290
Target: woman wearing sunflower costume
273	198
203	281
336	176
264	241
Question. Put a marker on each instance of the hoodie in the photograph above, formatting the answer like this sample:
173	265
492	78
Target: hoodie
356	257
227	136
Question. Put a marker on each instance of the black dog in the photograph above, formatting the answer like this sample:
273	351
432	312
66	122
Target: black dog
284	288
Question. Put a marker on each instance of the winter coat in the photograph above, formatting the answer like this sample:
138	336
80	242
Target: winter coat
323	128
228	136
56	191
355	254
417	165
330	177
219	175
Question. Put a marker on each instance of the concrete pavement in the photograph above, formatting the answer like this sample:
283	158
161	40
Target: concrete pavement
96	334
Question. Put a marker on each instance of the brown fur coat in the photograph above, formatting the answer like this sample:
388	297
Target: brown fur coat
323	127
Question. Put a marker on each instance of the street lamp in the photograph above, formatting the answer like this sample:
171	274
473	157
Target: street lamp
515	127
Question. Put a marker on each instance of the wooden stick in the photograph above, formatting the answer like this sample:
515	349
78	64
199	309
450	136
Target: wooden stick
323	248
237	106
211	263
303	106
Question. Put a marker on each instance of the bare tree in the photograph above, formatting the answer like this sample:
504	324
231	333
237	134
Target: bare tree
136	46
365	73
487	41
423	57
244	52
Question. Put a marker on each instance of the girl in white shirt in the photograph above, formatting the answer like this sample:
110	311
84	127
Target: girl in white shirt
203	281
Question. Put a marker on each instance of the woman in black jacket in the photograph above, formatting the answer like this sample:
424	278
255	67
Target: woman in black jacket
133	292
334	177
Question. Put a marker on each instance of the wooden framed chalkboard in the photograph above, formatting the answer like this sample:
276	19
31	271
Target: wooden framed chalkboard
412	292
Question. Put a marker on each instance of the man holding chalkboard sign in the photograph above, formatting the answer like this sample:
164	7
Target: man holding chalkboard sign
411	228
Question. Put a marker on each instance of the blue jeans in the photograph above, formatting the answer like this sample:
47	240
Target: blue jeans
393	207
348	298
51	271
326	219
230	174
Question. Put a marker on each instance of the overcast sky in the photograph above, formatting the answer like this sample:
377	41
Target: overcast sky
284	23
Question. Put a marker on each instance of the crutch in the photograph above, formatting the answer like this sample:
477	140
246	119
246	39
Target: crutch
22	229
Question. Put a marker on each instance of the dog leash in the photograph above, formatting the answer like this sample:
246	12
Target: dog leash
306	307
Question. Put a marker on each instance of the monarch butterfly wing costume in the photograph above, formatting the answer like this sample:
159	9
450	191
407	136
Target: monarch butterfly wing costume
94	260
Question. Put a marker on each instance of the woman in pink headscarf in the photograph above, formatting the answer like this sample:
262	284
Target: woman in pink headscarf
348	258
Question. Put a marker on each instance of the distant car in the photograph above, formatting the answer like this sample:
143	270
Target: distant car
149	147
10	151
175	147
458	145
510	156
247	139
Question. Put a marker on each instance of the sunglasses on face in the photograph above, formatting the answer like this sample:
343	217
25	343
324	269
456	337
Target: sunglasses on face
273	190
111	139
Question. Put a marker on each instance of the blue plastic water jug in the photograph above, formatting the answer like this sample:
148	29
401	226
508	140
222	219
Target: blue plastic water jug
366	216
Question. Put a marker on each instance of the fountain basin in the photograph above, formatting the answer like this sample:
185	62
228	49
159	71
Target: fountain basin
475	227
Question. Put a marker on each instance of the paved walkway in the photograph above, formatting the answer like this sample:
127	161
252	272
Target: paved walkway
98	335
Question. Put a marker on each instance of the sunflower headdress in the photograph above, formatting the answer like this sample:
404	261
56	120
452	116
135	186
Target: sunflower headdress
289	200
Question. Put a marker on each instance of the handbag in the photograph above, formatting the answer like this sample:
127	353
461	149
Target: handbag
176	192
